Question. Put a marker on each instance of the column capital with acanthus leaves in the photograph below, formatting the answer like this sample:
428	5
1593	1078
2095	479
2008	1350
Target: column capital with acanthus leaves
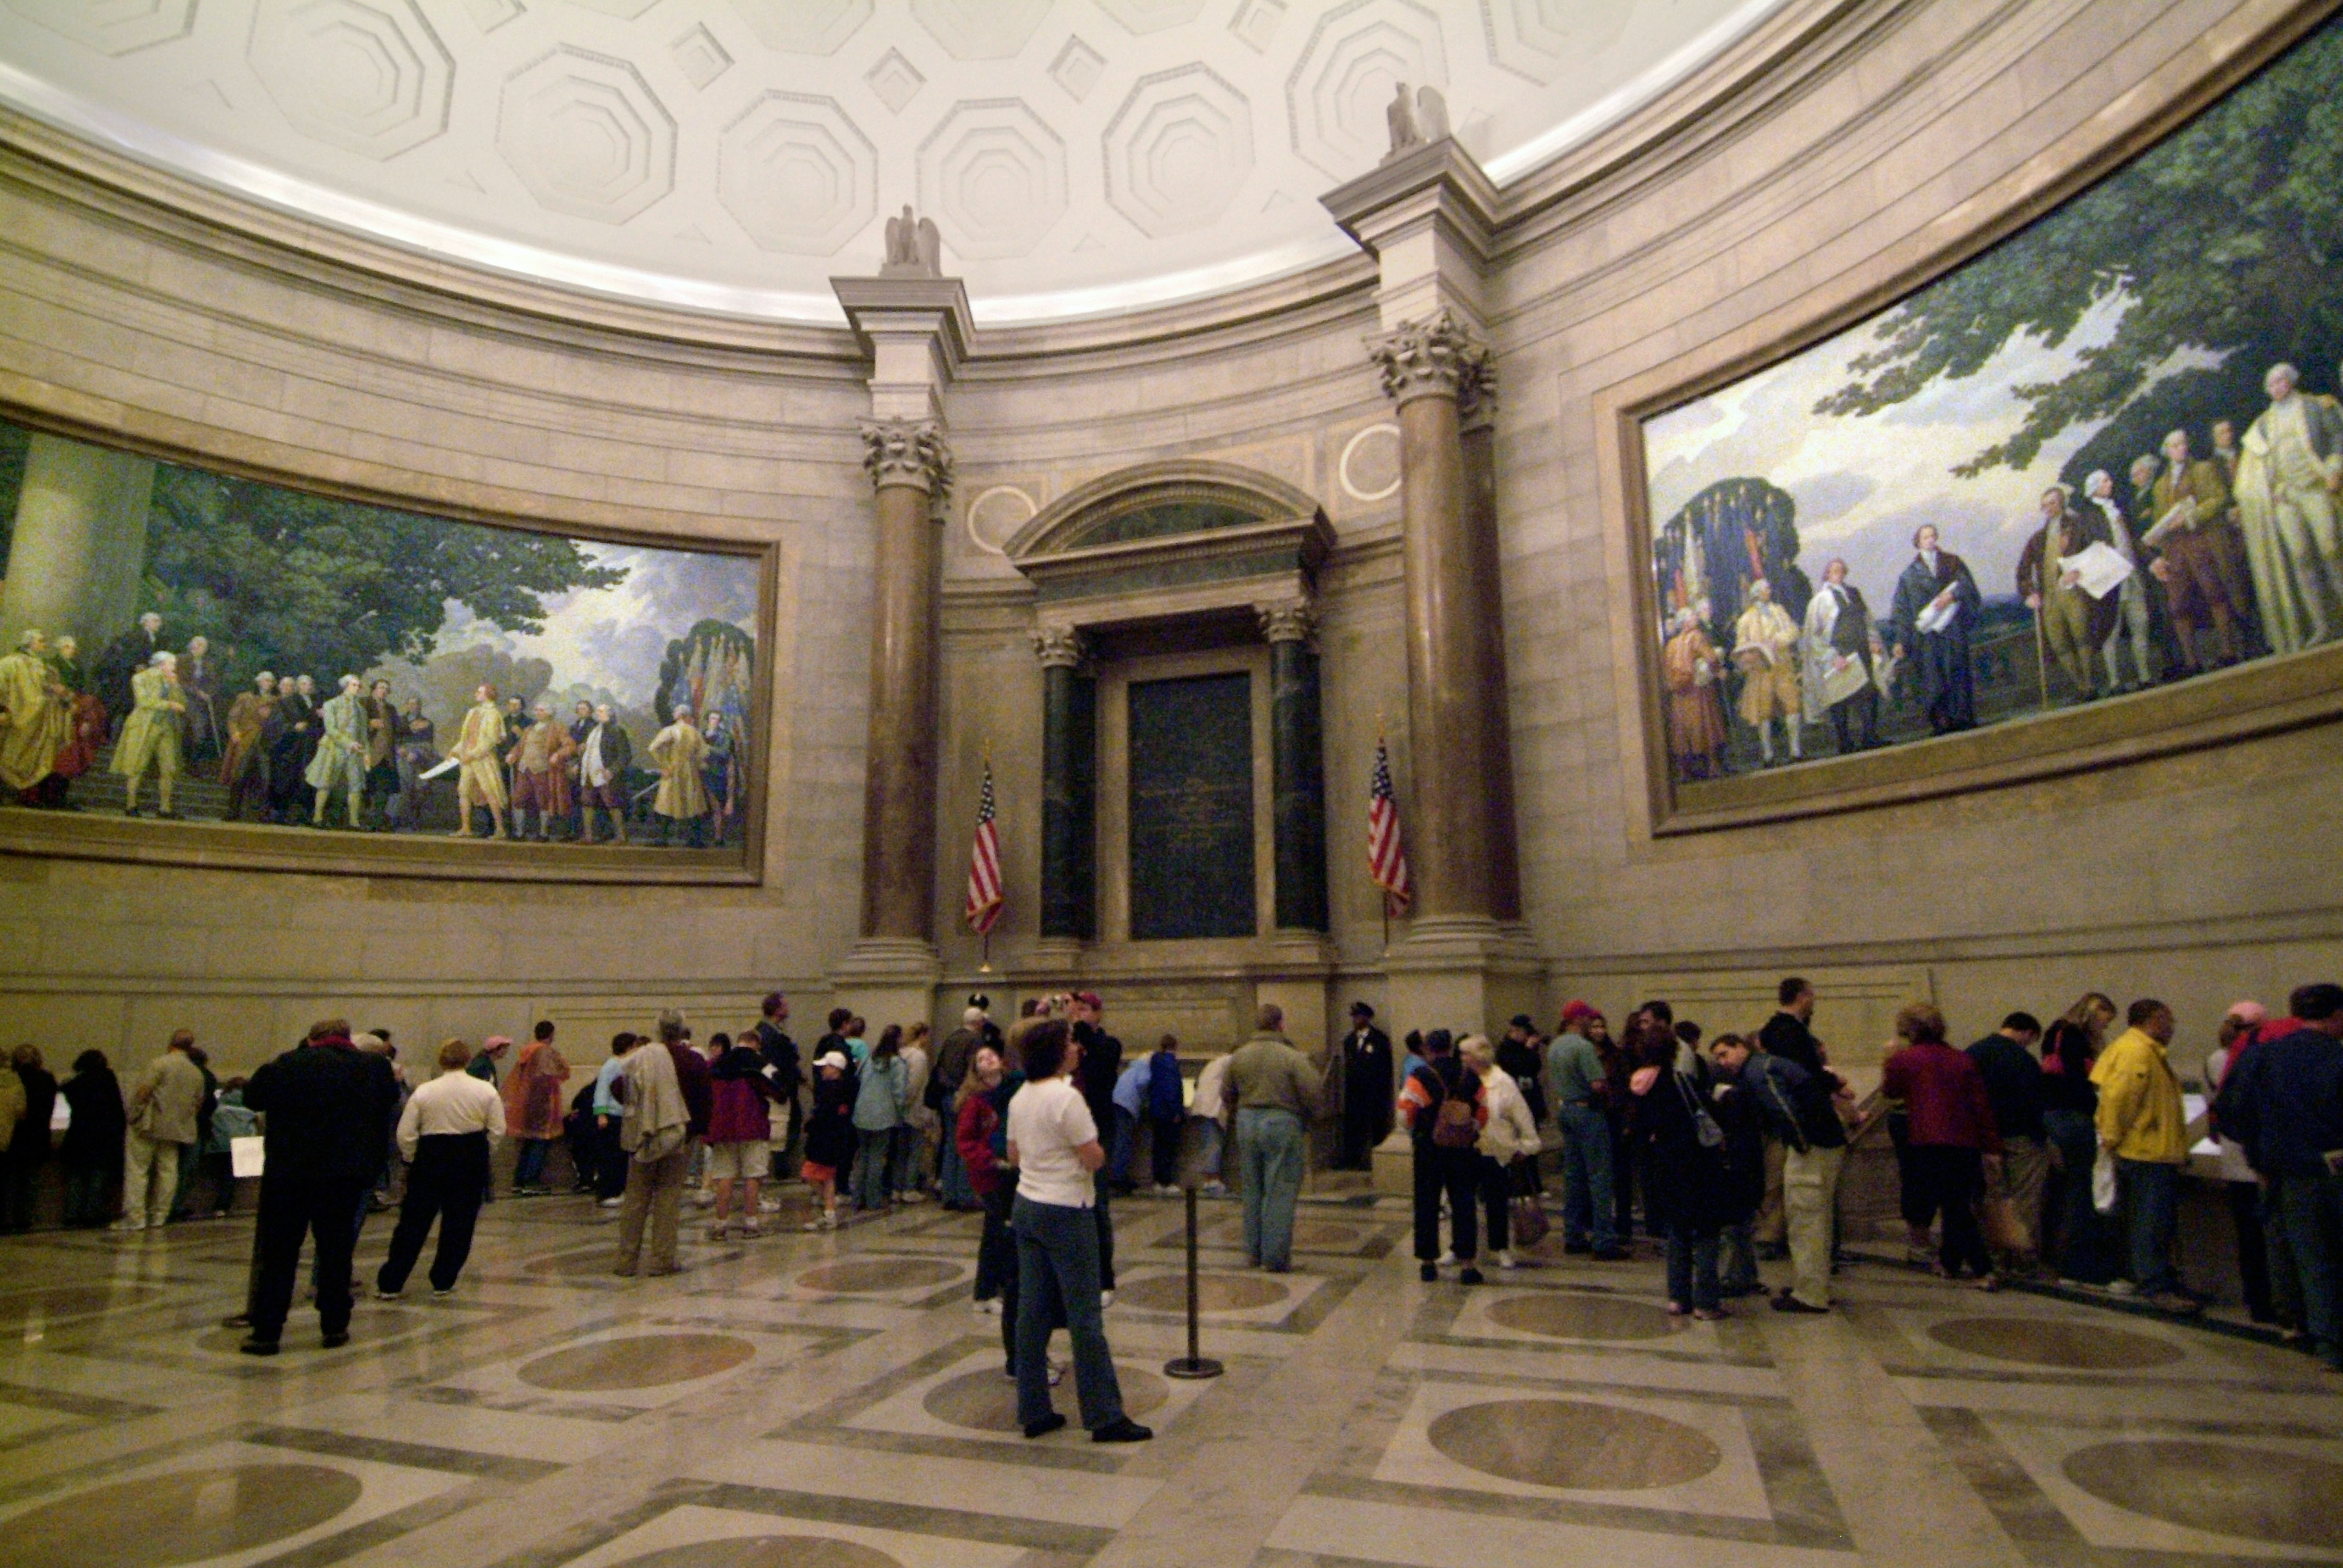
1440	358
908	452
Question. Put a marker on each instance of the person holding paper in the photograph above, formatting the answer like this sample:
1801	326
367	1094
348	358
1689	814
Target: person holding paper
2069	616
1840	647
1936	607
1764	644
2192	504
2130	617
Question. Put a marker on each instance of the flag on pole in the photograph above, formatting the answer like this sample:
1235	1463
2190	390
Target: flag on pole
1386	855
984	864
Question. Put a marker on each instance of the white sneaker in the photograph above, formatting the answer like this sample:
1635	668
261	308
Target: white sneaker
989	1307
716	1232
913	1196
387	1295
1445	1261
769	1205
613	1202
126	1223
1106	1300
1505	1258
705	1197
2122	1287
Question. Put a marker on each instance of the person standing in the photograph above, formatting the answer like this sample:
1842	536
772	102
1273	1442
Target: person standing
1445	1109
90	1155
605	752
609	1112
481	776
1931	620
2250	1208
2285	479
1508	1140
1101	1065
1122	1141
1167	1113
1839	661
945	1089
1764	650
164	1102
1274	1094
1365	1081
340	762
879	1103
679	754
2070	1107
326	1111
1052	1140
40	722
1523	1056
30	1148
657	1133
739	1136
1954	1148
1690	666
532	1094
2013	1087
1787	1036
976	1129
13	1124
540	763
2129	617
1802	1110
150	736
1687	1182
829	1134
919	1120
2284	1104
786	1072
483	1065
1576	1076
445	1134
1209	1109
2073	624
2192	510
2142	1123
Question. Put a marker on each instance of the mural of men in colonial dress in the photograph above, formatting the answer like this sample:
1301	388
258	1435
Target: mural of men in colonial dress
1689	667
1936	608
2191	503
2288	471
602	760
254	729
1840	668
2069	617
679	752
340	761
478	755
199	682
541	770
2129	618
150	736
34	716
1764	647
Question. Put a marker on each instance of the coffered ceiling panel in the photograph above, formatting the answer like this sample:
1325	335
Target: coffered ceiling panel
1077	156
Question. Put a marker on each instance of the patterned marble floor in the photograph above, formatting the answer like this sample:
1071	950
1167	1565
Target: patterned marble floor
830	1402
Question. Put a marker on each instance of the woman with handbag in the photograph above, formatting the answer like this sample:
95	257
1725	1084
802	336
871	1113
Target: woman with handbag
1687	1194
1508	1140
1445	1108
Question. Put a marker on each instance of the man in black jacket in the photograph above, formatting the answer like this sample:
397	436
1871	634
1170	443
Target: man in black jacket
1101	1064
2013	1083
785	1073
326	1114
2282	1101
1368	1090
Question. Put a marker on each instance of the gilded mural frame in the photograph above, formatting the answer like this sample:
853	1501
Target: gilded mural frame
220	846
2263	697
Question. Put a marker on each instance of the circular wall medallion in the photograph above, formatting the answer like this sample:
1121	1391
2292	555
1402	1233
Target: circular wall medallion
987	1401
868	1274
1215	1293
1575	1445
639	1361
766	1551
2044	1343
1370	468
2257	1492
180	1517
994	516
1567	1315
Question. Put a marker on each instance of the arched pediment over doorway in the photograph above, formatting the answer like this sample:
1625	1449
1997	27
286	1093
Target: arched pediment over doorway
1170	537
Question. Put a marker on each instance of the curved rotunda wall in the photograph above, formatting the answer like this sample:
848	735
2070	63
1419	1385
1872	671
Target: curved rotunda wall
1718	232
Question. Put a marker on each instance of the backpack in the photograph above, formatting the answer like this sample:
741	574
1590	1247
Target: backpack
1454	1125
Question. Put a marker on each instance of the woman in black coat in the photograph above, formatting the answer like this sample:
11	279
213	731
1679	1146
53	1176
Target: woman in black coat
31	1146
91	1154
1687	1190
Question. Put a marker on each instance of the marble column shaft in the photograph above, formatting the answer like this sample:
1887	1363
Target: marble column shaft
1459	833
910	466
79	542
1297	769
1069	789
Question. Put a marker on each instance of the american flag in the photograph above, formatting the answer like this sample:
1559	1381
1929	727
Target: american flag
984	864
1386	855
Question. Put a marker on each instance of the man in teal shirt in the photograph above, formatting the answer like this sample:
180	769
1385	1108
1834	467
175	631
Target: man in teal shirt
1574	1077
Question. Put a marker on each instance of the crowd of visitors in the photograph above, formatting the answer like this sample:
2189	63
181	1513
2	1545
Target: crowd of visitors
2035	1153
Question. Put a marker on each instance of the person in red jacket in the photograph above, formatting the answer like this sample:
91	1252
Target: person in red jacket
1953	1143
976	1134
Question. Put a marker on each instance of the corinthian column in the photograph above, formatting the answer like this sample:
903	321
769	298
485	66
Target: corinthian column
910	468
1459	836
1069	787
1297	773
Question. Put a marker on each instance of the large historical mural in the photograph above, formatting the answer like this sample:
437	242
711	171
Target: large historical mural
2101	456
189	645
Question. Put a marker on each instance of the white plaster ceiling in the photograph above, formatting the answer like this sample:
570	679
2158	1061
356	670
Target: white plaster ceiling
1079	155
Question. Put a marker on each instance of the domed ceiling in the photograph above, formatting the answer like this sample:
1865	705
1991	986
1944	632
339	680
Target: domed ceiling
1079	155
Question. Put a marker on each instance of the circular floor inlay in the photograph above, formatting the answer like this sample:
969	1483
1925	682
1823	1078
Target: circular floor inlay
1215	1292
2257	1492
1575	1445
639	1361
1570	1316
69	1300
181	1516
766	1551
1310	1235
987	1401
878	1275
2044	1343
595	1260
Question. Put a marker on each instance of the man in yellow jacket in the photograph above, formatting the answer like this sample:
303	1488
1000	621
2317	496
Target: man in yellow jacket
2142	1124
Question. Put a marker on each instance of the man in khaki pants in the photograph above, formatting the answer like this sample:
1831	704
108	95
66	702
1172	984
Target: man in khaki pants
1801	1109
164	1105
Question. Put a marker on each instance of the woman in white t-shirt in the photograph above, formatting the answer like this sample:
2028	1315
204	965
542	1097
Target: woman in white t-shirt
1054	1144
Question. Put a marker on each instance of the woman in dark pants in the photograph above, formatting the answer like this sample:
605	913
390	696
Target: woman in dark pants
1687	1189
2083	1240
31	1146
1445	1108
976	1134
444	1133
91	1153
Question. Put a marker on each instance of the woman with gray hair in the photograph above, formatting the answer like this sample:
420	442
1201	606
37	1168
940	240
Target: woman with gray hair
1510	1135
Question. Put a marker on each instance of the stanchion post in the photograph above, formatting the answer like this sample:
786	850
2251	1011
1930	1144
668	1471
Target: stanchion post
1194	1365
